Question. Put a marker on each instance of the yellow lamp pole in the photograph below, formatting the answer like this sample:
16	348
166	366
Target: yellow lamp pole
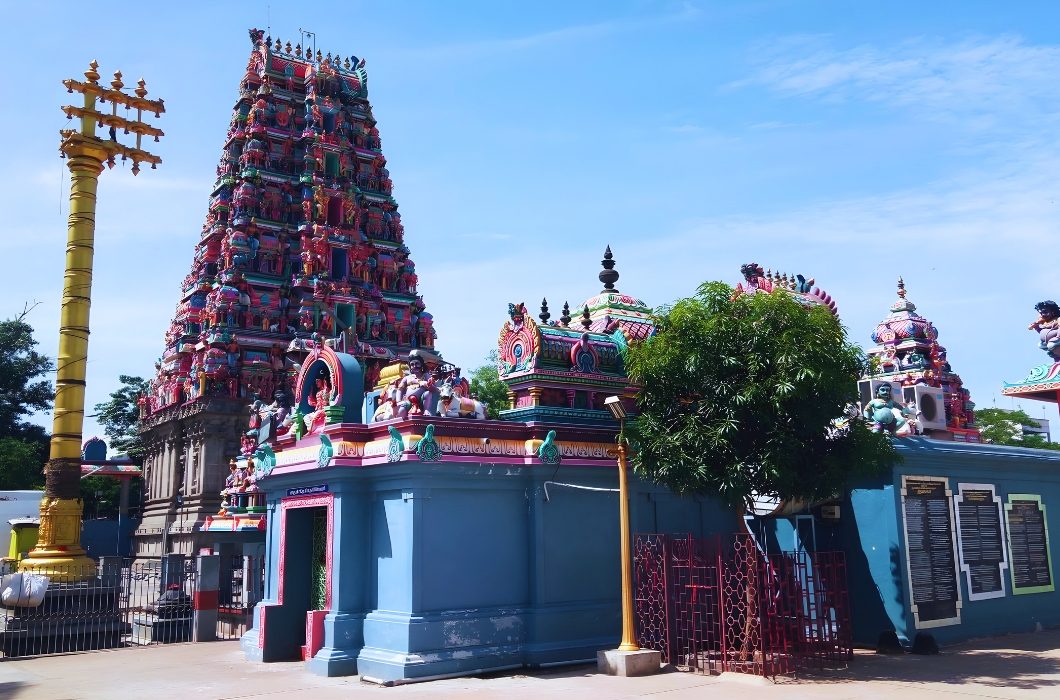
58	551
629	638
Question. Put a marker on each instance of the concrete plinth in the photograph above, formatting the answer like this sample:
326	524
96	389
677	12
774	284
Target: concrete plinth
644	662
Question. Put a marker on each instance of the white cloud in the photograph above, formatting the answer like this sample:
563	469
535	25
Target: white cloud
987	76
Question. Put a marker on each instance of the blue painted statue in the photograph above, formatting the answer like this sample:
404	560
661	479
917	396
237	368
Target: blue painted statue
884	412
1048	327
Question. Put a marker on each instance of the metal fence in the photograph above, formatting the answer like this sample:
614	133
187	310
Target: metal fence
121	603
242	586
719	604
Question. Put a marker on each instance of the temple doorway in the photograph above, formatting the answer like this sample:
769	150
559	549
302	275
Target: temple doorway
318	569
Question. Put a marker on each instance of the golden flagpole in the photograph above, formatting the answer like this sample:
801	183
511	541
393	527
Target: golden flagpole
58	551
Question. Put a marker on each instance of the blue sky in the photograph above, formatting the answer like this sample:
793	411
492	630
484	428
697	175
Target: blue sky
850	142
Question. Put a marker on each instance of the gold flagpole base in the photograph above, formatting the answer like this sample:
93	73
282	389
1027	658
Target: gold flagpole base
59	552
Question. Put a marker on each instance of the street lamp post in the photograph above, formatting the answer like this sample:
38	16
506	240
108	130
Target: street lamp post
629	640
58	551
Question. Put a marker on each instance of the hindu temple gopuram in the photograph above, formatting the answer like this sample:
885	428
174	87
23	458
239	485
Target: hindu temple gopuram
910	367
302	238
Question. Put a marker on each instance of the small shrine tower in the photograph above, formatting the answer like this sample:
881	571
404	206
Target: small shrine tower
563	370
909	357
302	240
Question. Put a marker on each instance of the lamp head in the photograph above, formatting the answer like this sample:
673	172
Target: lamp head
614	404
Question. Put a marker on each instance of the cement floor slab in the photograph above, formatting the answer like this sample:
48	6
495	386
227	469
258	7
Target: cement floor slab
1015	667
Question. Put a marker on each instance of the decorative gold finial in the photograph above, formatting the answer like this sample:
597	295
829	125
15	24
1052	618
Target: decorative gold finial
901	287
347	63
298	50
91	73
278	44
117	84
140	89
287	48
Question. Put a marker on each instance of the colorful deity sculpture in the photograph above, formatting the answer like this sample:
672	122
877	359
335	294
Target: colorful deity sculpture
416	392
320	398
1048	326
884	413
755	280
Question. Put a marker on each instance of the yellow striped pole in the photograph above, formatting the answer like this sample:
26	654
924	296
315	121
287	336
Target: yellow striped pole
58	551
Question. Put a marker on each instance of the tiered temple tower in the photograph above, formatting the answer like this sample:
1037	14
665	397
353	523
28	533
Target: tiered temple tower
563	370
302	238
907	353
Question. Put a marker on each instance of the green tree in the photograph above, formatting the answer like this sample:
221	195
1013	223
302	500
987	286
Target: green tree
120	418
740	398
22	463
23	391
487	387
1001	427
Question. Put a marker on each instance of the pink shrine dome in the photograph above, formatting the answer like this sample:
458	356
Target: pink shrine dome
903	323
611	310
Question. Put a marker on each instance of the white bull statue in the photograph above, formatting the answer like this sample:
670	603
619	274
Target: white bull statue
452	405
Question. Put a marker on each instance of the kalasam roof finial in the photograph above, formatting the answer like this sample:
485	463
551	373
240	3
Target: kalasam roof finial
544	315
609	275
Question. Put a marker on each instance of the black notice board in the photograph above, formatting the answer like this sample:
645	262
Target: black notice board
929	549
1028	546
982	542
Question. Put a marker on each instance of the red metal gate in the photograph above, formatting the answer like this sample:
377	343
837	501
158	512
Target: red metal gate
719	604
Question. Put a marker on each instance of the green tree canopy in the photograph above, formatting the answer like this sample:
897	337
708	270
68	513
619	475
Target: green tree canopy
1001	427
740	398
486	386
120	417
24	390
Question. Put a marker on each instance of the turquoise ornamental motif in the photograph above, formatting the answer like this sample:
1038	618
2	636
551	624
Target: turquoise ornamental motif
548	452
428	449
396	447
326	452
264	461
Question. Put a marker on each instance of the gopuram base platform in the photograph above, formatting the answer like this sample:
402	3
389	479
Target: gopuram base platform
237	522
449	546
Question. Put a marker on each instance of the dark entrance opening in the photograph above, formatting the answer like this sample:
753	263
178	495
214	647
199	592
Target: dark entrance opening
301	571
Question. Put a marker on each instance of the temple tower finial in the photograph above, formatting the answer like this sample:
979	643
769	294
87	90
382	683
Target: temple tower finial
544	315
609	275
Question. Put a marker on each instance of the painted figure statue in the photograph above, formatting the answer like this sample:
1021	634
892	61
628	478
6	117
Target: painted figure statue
884	412
319	399
416	392
1048	327
276	418
387	408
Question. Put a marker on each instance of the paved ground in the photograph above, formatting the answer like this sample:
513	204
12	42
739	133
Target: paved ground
1016	666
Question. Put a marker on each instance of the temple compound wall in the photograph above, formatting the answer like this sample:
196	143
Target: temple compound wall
451	546
954	542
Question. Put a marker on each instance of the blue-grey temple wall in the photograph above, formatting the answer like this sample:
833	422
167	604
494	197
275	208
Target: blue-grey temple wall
870	531
451	567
